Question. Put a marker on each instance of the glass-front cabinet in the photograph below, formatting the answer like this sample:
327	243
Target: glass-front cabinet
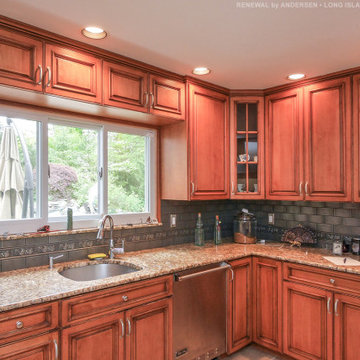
247	147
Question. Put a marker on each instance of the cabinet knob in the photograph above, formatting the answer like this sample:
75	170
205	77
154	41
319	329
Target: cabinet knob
125	298
19	324
332	281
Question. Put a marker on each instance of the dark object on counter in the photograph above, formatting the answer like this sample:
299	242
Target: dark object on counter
355	246
217	231
299	234
245	228
346	245
45	228
199	232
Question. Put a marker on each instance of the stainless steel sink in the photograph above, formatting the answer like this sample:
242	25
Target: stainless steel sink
97	271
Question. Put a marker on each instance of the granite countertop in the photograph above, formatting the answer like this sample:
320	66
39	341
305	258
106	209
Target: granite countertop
36	285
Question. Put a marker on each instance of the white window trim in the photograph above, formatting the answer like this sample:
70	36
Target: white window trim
59	223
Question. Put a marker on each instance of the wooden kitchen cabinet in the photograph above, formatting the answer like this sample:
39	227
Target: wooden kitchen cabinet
284	146
327	117
43	347
247	142
73	74
356	137
308	322
21	60
267	289
239	306
103	338
149	331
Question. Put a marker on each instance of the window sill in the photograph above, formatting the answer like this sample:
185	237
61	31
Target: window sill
70	232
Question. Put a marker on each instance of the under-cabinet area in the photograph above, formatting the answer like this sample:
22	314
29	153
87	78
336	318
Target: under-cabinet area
301	308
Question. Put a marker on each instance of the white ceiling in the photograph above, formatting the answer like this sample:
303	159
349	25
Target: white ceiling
245	48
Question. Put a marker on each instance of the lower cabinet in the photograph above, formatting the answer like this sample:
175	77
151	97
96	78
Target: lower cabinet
308	322
43	347
239	307
143	332
267	303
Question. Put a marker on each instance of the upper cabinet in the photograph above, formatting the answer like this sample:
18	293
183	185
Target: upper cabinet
135	89
72	74
195	153
21	60
308	143
327	117
247	147
356	136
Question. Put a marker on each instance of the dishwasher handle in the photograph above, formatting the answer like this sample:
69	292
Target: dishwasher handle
223	266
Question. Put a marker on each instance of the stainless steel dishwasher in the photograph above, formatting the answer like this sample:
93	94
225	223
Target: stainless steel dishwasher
200	313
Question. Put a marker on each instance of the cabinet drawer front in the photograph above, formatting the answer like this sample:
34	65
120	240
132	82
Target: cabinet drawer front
32	320
324	278
88	306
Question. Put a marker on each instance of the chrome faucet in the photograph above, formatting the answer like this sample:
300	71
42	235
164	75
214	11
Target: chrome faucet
52	258
100	236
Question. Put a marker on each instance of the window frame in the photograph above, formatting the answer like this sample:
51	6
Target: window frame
84	221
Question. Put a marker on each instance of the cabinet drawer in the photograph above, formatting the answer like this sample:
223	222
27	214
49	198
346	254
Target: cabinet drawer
80	308
28	321
333	280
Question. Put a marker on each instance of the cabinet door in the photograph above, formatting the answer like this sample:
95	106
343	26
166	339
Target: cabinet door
167	97
72	74
209	144
125	87
267	303
102	338
308	319
42	347
21	60
239	313
327	119
346	327
284	145
149	331
356	136
247	147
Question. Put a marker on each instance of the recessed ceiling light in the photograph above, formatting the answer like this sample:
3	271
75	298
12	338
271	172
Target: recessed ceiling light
94	32
201	70
297	76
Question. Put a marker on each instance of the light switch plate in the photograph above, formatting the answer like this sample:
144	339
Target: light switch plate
271	219
172	220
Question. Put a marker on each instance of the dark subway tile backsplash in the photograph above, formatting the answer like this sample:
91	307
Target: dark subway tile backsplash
328	220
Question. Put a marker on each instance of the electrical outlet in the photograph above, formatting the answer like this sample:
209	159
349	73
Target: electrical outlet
173	220
271	219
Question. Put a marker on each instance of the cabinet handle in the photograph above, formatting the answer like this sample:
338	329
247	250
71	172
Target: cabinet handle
40	74
306	188
48	70
192	188
328	305
336	307
332	281
56	349
232	274
300	188
125	298
19	324
129	326
122	328
146	99
152	99
232	187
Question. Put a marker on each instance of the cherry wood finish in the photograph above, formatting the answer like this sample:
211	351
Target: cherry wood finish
73	74
346	327
37	348
29	321
284	151
267	275
259	100
149	335
239	307
103	338
84	307
125	87
356	137
21	60
327	116
167	97
209	143
308	322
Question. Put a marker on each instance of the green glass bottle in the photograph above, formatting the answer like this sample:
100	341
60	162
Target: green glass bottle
217	231
199	232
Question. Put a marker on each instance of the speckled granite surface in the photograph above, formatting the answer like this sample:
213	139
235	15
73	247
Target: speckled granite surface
36	285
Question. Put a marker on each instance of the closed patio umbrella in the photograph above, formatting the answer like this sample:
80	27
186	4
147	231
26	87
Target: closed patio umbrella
11	177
